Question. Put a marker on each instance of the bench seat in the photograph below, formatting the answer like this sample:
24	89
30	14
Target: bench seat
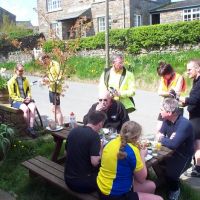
54	174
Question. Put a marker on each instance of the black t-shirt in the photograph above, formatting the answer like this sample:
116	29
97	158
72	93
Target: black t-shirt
82	143
116	115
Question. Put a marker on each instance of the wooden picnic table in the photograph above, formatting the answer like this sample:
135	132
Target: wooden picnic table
60	136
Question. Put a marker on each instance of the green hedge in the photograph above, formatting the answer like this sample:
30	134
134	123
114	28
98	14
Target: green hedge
133	40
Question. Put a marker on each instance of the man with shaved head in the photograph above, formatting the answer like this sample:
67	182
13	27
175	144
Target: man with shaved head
115	111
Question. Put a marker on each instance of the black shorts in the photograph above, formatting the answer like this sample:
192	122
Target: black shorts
196	127
54	98
128	196
82	185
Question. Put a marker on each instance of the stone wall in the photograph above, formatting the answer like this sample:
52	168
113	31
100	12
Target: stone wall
27	57
171	16
18	56
173	48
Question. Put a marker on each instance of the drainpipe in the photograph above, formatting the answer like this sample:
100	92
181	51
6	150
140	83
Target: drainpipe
107	33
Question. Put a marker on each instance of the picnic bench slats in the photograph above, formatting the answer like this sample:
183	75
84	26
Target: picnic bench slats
46	167
54	174
50	163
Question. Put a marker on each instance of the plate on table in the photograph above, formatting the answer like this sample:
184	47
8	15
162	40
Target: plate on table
58	128
148	157
105	130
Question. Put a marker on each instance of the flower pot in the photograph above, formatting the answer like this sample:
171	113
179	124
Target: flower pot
4	96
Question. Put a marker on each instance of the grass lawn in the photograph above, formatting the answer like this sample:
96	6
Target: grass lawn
15	178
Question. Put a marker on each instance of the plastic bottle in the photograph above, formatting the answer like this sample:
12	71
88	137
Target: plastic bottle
72	120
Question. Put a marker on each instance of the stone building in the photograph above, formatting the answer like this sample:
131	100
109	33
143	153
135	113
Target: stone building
5	15
176	12
57	17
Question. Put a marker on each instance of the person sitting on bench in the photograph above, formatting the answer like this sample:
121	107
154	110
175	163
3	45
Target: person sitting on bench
20	96
83	147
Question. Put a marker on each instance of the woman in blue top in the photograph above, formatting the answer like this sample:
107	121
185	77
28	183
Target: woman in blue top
123	173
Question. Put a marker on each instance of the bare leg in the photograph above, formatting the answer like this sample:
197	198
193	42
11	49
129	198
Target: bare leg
25	109
32	108
146	187
146	196
59	116
197	152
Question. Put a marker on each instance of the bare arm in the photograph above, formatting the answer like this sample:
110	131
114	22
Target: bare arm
140	176
95	160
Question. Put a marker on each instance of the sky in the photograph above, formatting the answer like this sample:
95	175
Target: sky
23	9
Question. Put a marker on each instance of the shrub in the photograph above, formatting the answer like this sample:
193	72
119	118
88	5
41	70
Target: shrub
6	137
133	40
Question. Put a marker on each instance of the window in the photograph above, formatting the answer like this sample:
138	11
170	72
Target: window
102	23
53	5
137	20
54	29
191	14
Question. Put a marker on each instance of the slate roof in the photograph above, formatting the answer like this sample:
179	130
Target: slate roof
177	6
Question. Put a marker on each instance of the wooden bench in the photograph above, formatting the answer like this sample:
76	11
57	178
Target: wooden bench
54	174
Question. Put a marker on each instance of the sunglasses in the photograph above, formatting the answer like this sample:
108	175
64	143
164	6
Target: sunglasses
103	100
20	70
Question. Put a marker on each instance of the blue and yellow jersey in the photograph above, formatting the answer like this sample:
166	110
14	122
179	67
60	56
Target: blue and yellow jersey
116	176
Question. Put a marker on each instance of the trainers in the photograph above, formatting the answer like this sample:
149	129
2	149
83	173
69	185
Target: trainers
195	173
192	173
174	195
32	132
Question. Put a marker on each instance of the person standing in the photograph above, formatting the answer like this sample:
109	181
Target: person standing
120	82
172	84
83	148
122	175
176	133
53	80
20	96
193	103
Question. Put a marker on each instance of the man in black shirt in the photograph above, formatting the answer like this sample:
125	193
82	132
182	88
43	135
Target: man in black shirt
115	111
83	149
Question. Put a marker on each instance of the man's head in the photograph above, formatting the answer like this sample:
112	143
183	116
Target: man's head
105	100
118	62
169	109
19	70
46	60
97	119
193	68
165	70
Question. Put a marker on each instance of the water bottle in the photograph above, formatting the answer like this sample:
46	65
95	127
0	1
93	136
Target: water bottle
72	120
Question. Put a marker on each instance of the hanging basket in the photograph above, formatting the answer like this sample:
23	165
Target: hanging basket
4	96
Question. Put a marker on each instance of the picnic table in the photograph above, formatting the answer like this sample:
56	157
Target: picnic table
60	136
52	172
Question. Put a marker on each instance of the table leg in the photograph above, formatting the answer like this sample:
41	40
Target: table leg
57	149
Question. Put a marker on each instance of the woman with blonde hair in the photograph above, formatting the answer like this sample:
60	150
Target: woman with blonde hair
123	173
193	103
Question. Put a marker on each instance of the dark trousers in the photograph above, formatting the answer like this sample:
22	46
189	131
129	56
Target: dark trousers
82	185
174	166
128	196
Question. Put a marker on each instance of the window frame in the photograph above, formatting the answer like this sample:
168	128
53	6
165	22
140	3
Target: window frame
188	14
55	27
98	24
136	17
53	5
